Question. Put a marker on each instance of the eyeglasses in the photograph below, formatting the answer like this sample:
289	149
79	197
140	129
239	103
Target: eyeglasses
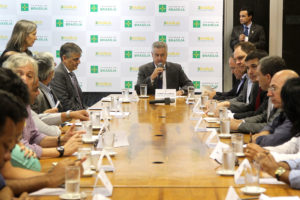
272	88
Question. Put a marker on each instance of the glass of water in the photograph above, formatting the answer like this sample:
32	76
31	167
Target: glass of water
72	182
252	176
143	90
237	141
125	94
225	126
228	163
108	139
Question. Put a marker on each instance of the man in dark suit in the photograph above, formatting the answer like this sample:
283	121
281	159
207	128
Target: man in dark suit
237	87
248	31
65	84
161	74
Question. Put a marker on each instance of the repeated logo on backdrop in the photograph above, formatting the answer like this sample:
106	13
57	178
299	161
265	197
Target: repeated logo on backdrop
116	36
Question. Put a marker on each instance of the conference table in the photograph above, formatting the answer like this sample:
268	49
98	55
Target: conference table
166	158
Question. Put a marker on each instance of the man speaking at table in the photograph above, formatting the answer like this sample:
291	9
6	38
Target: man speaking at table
161	74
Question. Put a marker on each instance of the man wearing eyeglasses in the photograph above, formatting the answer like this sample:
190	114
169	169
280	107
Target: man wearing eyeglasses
65	84
278	131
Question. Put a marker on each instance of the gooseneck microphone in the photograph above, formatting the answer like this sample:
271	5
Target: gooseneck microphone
166	101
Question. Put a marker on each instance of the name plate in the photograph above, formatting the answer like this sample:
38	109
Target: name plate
165	93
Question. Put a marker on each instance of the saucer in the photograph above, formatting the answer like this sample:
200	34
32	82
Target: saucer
88	173
82	195
224	135
223	172
253	190
144	96
89	140
211	119
240	154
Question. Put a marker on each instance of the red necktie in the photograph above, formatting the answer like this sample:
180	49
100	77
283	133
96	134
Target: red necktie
257	101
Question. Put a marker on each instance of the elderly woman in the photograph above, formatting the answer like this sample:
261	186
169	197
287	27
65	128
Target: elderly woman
22	37
42	145
288	170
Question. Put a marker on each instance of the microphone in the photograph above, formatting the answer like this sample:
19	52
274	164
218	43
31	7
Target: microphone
166	101
160	65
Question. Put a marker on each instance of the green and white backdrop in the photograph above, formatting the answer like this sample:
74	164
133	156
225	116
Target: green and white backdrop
116	36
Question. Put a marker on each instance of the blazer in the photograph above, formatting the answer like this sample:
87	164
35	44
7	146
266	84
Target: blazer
176	78
238	104
62	86
256	35
41	102
256	123
232	93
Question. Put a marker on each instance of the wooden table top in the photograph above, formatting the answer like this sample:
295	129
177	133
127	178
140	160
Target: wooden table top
166	159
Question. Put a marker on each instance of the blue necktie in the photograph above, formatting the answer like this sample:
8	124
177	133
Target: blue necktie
159	82
246	30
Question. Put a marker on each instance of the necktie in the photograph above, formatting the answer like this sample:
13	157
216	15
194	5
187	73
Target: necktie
159	82
257	101
246	30
240	85
76	86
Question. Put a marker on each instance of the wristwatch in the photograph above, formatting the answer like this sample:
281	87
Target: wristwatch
68	114
61	150
279	171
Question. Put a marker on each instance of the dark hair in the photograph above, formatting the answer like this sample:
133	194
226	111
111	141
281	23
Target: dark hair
247	47
249	11
11	82
68	48
256	54
271	65
11	107
290	95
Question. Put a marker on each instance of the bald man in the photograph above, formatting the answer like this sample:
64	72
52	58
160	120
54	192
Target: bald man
279	131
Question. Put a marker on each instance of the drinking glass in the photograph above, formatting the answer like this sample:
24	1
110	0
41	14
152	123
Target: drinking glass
87	126
108	139
143	90
252	176
228	160
223	113
85	152
212	107
225	126
72	181
125	94
204	99
237	141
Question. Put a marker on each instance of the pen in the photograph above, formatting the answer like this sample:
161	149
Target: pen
250	141
58	102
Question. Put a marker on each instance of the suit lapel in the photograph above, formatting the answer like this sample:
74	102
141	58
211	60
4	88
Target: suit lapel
252	30
69	81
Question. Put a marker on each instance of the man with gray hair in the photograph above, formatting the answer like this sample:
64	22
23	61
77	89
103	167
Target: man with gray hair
161	74
46	100
65	84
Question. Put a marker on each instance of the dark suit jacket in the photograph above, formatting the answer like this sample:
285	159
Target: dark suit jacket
262	107
256	36
232	93
239	104
62	86
42	102
176	78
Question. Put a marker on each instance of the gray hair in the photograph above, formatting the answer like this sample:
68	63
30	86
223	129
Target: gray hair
159	45
19	34
68	48
18	60
45	61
